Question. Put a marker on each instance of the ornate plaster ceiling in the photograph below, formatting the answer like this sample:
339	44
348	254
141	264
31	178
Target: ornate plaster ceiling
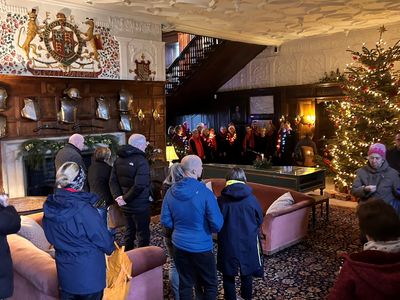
269	22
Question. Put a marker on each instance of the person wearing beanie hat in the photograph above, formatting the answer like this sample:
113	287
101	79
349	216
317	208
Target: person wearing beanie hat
377	179
377	148
79	235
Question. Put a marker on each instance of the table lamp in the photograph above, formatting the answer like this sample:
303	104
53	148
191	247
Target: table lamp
171	154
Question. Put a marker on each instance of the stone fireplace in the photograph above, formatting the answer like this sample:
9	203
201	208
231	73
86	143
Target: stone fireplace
13	168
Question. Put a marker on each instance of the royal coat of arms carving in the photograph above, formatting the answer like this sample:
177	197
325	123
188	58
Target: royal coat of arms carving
59	47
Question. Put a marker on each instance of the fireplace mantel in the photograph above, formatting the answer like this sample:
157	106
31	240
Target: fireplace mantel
13	171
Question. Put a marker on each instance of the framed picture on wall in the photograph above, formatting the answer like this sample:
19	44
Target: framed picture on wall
237	113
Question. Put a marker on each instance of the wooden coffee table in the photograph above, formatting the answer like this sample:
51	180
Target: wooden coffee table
320	200
301	179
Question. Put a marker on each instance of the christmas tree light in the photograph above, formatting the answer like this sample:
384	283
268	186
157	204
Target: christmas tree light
370	111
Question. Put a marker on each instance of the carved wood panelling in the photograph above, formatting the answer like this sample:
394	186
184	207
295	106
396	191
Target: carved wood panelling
305	61
48	92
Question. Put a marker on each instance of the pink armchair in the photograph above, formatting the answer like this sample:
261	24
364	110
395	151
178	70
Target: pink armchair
280	229
35	274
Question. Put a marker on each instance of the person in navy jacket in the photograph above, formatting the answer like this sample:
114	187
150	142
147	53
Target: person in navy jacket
10	222
79	235
191	210
238	244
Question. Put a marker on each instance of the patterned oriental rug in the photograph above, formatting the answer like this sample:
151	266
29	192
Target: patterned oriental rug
305	271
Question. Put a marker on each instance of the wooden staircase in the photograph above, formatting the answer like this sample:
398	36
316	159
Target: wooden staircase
204	66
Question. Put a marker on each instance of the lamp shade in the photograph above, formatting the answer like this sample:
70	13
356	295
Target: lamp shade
170	153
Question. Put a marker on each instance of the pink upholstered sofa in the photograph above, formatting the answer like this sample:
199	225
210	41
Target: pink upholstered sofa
280	229
35	274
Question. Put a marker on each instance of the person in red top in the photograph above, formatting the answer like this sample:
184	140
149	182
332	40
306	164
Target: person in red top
375	272
195	144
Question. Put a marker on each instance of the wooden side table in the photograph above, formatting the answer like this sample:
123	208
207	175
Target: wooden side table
320	200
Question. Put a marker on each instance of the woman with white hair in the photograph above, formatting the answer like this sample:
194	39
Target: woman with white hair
79	235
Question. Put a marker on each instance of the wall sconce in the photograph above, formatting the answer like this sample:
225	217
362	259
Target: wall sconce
140	115
170	154
156	115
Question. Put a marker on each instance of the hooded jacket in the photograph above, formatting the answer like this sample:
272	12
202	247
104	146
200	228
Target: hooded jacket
238	238
98	178
191	210
130	177
385	178
10	222
370	274
80	239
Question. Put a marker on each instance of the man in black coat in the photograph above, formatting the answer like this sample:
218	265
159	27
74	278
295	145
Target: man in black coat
10	222
130	186
393	155
72	152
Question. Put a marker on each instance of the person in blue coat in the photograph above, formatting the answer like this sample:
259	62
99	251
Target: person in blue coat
79	235
190	209
238	244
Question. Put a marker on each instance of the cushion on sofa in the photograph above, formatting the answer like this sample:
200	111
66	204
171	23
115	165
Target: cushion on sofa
34	265
33	232
283	201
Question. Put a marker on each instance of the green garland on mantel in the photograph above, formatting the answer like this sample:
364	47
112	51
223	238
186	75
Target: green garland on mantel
34	151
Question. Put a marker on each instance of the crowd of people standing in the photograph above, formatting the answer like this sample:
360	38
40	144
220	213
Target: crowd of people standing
75	221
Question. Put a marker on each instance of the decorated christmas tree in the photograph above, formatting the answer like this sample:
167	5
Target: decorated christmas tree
370	111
